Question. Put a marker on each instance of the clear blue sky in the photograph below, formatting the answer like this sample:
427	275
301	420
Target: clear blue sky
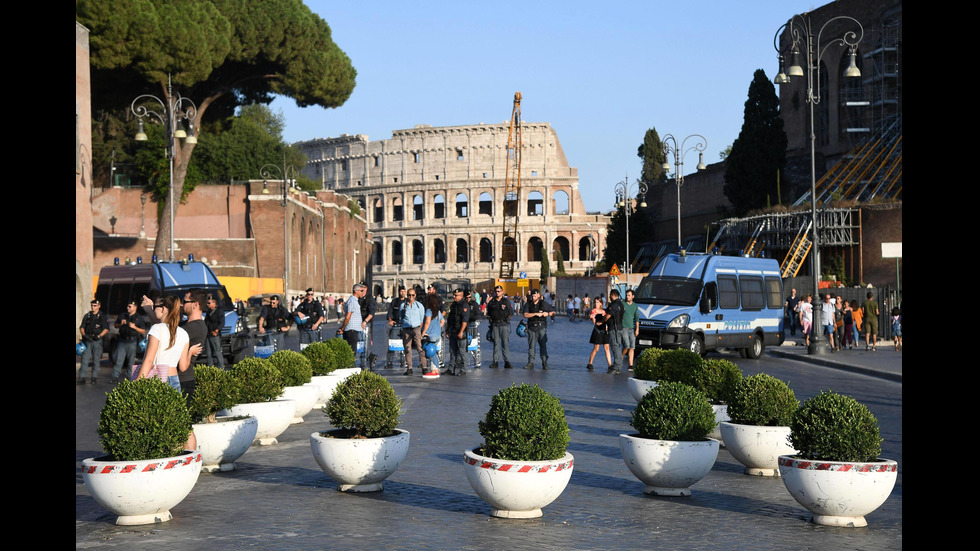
601	73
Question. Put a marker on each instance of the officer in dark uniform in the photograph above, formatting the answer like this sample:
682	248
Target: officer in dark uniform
132	327
456	323
499	310
311	313
275	318
94	326
537	311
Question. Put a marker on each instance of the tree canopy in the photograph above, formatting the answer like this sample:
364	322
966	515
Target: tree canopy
759	152
219	53
652	153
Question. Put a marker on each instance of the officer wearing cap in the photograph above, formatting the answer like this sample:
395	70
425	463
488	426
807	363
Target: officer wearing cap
456	323
537	311
275	318
132	326
499	310
94	326
309	314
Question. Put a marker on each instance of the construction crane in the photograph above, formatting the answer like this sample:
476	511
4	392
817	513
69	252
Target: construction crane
512	193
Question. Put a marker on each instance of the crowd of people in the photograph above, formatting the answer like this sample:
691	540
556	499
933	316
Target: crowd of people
841	320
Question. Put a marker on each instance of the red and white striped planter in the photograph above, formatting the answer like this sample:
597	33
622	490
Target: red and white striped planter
517	489
141	492
839	493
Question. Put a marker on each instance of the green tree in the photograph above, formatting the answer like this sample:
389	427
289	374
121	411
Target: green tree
759	152
219	53
560	263
545	267
652	153
640	231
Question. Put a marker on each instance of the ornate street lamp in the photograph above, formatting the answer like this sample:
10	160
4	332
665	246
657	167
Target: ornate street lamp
176	110
624	198
803	41
679	153
269	172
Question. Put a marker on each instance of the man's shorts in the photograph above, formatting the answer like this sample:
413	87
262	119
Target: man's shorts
629	339
871	325
828	329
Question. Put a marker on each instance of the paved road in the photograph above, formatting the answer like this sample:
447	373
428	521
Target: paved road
279	499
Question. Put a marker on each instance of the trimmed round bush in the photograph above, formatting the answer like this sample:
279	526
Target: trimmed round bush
215	389
294	367
524	423
674	411
327	356
259	381
364	404
643	369
144	419
762	400
831	427
717	379
679	366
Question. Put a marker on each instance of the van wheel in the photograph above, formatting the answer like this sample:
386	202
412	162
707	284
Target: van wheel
697	346
755	350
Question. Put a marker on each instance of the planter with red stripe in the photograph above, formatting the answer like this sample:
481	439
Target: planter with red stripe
517	489
838	493
141	492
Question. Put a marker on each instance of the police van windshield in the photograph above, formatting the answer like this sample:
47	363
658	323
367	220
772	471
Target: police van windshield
680	291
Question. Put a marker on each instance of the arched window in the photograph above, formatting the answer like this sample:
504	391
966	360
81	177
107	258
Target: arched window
418	252
438	251
535	203
462	250
486	204
378	253
461	206
379	210
559	202
397	209
486	250
534	246
509	251
585	248
439	206
417	208
560	246
396	253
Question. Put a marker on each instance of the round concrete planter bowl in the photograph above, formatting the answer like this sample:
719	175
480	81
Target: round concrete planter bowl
141	492
274	418
721	415
517	489
327	384
838	493
221	443
757	447
360	464
304	396
639	387
668	467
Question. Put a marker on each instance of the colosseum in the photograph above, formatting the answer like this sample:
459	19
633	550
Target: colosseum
433	198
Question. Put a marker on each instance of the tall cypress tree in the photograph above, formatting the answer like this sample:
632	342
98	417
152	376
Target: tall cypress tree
652	153
759	152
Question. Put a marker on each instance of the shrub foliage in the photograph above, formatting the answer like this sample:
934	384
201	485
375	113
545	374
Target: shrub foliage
365	404
679	366
215	389
144	419
259	381
295	368
327	356
831	427
717	378
674	411
644	367
524	423
762	400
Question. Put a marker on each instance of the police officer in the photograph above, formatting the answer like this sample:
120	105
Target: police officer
132	326
456	323
309	316
275	318
499	310
537	311
394	321
94	326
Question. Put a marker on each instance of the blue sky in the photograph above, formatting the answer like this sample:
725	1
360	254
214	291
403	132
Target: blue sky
600	73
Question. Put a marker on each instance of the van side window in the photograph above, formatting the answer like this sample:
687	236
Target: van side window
727	292
753	297
774	292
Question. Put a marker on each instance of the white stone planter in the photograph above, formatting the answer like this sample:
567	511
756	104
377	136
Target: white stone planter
360	464
327	384
141	492
667	467
721	415
221	443
639	387
345	372
757	447
839	493
517	489
304	396
274	418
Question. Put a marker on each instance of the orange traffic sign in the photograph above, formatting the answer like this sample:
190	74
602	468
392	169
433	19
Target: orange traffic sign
614	271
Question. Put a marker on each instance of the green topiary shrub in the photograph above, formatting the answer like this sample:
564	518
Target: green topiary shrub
215	389
144	419
679	366
343	356
259	381
674	411
365	405
524	423
295	367
643	369
717	378
762	400
831	427
327	356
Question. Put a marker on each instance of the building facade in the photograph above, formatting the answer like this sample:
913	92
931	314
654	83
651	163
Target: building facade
433	199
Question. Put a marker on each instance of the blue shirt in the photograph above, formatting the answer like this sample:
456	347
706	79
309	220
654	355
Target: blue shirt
435	325
354	308
412	314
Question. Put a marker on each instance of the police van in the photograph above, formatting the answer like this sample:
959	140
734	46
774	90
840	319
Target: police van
120	284
703	302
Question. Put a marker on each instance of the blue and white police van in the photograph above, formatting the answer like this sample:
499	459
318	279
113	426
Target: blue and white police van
120	283
703	302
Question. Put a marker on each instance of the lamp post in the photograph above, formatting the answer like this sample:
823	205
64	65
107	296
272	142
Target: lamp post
270	171
174	113
624	198
593	248
802	38
679	153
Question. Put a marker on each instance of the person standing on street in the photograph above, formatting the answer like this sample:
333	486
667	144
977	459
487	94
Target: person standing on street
132	326
577	302
870	316
827	318
393	313
94	326
456	323
806	318
499	311
411	315
432	328
792	311
215	321
614	319
309	316
537	311
197	335
352	325
275	318
631	326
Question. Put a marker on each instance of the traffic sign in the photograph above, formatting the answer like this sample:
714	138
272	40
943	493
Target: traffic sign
522	282
614	270
523	275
